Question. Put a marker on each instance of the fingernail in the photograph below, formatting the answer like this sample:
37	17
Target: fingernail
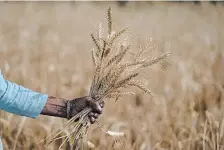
91	114
99	109
101	105
96	116
92	120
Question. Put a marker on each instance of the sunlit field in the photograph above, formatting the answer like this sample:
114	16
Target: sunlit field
47	47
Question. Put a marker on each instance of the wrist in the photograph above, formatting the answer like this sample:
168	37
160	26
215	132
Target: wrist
55	107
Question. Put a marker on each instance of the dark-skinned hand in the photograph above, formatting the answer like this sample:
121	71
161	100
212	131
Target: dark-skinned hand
78	104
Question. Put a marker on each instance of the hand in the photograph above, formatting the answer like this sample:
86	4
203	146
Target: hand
77	105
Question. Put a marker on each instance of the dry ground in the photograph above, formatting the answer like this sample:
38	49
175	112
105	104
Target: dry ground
46	47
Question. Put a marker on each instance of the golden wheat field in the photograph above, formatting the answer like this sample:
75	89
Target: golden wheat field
46	46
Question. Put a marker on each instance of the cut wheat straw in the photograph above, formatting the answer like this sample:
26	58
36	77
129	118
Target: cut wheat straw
111	74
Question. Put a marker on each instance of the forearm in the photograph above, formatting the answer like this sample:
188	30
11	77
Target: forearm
55	107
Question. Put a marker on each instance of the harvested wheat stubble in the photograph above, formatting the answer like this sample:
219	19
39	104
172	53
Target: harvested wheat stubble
112	74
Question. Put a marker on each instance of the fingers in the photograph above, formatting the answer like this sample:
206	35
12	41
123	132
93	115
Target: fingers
96	106
97	109
92	120
93	117
102	104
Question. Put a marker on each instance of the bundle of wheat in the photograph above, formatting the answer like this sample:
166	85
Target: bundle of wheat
112	74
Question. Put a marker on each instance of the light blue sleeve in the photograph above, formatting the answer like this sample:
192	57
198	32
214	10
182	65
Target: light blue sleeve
1	147
19	100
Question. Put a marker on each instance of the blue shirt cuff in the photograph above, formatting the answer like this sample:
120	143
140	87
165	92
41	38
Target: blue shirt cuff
40	106
22	101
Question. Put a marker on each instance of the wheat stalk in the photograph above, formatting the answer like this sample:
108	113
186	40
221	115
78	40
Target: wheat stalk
111	74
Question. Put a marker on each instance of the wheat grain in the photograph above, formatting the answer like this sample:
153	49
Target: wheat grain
117	134
103	50
140	86
109	19
126	80
99	32
156	60
116	35
97	45
94	58
117	58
